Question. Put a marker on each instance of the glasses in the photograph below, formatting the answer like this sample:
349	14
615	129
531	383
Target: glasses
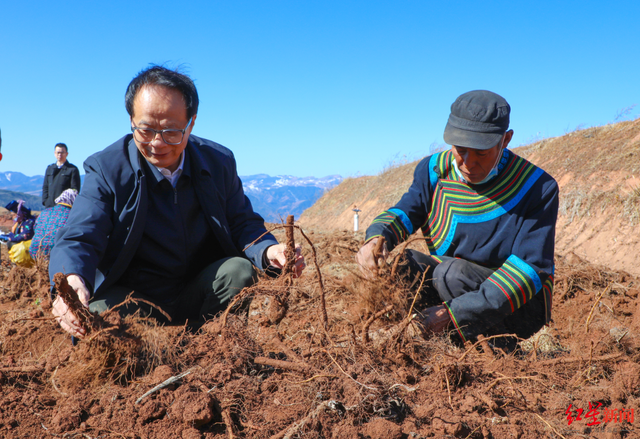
170	136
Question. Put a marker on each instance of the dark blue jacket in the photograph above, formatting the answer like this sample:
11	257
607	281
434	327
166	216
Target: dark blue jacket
108	218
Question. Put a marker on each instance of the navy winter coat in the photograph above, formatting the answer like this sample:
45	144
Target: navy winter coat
108	218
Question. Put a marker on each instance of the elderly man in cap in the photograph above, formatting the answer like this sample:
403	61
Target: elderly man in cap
162	214
488	217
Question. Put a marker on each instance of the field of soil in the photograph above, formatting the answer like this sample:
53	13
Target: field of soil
328	355
332	355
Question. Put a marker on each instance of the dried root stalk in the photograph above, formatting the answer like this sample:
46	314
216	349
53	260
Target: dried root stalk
228	422
88	320
290	250
378	253
287	365
373	318
323	304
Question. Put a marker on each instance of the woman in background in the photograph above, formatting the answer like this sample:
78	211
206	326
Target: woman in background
49	222
23	226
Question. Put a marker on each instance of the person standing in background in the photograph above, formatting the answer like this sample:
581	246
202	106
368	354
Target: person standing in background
59	177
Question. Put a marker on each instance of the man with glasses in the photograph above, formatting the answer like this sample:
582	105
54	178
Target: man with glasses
162	214
59	176
488	217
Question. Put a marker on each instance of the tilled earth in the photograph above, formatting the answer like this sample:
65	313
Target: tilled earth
328	356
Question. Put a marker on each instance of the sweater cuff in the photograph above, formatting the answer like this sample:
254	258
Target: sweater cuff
455	322
390	225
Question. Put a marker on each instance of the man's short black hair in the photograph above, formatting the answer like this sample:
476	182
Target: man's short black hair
61	145
158	75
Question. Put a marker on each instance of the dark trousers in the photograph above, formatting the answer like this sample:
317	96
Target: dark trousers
454	277
202	298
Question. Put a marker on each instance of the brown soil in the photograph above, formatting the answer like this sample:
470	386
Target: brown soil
322	356
273	370
6	220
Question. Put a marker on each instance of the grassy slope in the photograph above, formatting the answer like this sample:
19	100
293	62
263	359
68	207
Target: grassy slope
597	169
370	194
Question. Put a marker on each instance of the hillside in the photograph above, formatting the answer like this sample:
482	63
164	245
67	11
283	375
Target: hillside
370	194
598	170
34	202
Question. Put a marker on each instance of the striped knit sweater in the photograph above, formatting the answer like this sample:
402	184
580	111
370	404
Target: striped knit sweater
507	224
47	225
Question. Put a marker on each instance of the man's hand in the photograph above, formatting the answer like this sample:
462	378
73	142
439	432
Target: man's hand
276	257
435	319
67	320
366	259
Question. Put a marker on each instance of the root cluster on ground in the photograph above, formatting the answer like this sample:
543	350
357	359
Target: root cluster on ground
328	355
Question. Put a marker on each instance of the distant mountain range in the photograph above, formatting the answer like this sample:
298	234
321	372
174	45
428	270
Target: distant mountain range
276	197
18	182
273	197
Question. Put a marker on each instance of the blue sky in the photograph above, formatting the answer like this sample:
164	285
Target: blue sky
312	87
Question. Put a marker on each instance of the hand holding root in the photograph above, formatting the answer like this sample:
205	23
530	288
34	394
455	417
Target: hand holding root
371	256
71	305
435	319
277	258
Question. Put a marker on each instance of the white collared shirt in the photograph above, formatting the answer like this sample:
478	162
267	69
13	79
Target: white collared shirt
173	176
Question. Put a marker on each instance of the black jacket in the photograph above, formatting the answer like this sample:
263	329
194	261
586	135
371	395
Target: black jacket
57	181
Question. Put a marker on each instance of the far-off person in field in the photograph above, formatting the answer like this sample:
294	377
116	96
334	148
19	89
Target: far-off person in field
59	176
49	222
488	217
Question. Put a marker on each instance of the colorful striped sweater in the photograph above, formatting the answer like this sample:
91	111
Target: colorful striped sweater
47	225
507	224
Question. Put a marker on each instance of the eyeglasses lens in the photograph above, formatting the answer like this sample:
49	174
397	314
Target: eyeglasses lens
172	137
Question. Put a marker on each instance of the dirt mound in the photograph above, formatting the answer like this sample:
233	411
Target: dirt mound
275	367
